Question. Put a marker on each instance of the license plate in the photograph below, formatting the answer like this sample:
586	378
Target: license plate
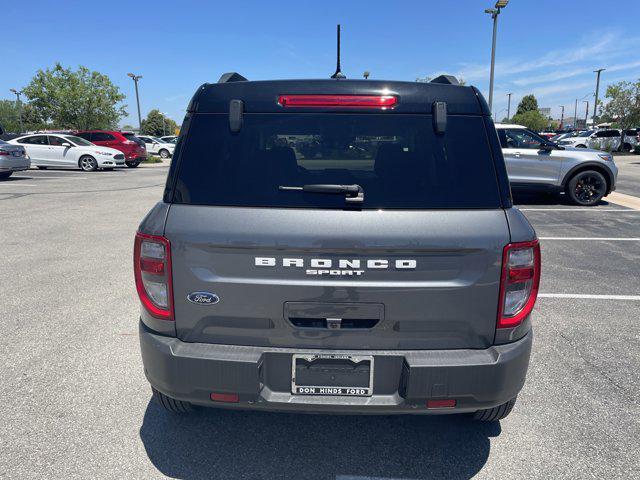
332	374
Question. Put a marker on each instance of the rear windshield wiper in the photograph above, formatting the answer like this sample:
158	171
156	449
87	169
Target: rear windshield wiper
353	193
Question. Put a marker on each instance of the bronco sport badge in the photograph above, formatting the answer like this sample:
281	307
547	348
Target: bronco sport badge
341	267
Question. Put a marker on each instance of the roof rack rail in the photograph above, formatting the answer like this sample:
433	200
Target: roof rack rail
446	79
231	77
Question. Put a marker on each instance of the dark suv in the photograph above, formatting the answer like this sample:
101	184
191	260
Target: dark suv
133	149
337	246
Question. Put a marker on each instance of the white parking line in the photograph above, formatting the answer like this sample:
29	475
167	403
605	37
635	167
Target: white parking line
589	297
599	239
628	210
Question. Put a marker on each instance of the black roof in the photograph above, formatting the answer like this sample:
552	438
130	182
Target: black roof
413	97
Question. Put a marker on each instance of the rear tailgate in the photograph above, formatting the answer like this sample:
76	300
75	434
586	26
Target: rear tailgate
427	279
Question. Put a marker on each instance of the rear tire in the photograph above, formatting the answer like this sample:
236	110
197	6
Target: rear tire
496	413
586	188
626	147
164	154
170	404
88	163
42	168
581	146
132	164
4	175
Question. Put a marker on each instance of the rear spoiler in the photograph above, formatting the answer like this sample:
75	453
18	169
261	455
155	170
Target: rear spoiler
231	77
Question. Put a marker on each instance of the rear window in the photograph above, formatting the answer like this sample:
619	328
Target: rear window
131	137
398	161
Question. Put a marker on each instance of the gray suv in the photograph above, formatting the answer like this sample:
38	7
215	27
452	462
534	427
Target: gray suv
337	246
534	163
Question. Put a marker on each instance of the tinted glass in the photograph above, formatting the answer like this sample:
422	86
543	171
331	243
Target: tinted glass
56	141
520	138
78	141
502	135
133	138
397	159
85	135
101	137
35	140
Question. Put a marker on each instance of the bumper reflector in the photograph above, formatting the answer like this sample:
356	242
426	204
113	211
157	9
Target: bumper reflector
444	403
225	397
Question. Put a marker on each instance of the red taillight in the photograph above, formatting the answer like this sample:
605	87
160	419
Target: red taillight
354	101
152	271
519	282
4	152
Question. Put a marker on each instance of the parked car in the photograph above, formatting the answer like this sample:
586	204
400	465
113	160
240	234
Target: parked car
68	151
609	139
631	139
133	151
561	136
547	135
272	281
169	138
13	158
158	147
533	163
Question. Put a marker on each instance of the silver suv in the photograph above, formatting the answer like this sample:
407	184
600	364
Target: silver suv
534	163
338	246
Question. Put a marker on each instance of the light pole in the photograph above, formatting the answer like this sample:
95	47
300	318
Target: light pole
494	12
561	116
586	113
164	123
135	79
18	105
575	115
509	106
595	105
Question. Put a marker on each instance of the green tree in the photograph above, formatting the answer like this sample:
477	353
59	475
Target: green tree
158	125
10	117
81	100
623	106
532	119
527	104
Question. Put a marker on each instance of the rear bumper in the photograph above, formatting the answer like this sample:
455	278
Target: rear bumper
403	380
14	164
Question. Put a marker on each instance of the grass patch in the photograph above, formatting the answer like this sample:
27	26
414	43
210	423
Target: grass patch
152	159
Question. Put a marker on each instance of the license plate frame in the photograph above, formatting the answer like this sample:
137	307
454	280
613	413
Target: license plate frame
331	390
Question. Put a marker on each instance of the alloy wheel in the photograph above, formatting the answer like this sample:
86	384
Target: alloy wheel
589	189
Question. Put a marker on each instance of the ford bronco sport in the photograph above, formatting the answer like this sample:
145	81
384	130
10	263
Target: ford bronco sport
337	246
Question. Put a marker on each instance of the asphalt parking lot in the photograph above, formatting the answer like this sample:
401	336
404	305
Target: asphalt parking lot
77	404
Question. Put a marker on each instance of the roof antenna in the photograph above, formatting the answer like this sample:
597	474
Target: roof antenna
338	75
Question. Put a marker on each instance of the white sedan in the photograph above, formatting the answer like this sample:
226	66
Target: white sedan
155	146
59	150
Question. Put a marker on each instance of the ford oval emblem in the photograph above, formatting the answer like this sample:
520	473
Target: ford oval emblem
203	298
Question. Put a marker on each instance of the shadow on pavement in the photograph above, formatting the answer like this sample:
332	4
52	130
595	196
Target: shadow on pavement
14	179
216	443
529	198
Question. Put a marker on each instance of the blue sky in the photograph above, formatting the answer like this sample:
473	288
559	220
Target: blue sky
548	48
